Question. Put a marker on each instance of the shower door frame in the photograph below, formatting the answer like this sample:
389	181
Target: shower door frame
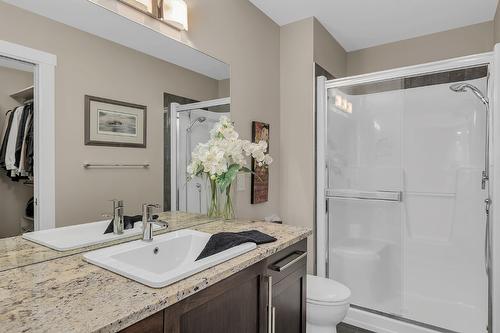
322	232
175	108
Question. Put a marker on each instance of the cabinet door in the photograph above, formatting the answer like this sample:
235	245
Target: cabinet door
236	304
152	324
288	269
289	301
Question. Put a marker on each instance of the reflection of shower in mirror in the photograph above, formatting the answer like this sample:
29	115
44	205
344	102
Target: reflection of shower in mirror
193	127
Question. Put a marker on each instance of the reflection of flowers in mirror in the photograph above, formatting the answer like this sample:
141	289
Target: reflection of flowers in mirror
222	158
343	104
226	152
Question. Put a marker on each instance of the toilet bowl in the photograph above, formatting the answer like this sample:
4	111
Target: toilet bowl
327	304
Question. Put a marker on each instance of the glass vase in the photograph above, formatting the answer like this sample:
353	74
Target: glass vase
228	211
213	205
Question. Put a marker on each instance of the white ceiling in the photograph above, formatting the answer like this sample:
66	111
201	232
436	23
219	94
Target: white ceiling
358	24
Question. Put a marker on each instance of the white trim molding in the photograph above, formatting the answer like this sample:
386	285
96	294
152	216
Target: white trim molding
494	95
44	129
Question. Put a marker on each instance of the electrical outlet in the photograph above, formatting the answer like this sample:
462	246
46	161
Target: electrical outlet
241	179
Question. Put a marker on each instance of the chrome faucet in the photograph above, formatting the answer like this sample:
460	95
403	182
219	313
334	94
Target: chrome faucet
148	220
118	216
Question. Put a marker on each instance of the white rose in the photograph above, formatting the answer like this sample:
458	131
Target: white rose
268	159
259	156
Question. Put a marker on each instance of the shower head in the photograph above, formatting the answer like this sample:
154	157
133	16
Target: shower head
197	120
463	87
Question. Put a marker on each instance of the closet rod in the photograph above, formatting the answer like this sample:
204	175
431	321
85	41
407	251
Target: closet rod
115	165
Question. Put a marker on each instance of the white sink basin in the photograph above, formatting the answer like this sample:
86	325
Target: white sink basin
168	258
81	235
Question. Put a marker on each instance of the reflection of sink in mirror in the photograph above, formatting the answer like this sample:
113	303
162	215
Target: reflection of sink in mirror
81	235
168	258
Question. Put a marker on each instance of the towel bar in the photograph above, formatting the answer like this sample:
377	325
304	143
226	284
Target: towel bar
115	165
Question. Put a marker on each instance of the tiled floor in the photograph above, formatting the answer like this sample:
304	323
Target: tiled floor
344	328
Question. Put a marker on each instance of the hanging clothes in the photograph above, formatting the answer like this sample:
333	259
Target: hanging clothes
10	153
24	147
5	126
5	136
30	149
16	151
20	134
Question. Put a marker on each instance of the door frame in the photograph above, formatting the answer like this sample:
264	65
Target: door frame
44	128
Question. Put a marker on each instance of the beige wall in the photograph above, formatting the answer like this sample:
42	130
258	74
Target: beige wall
328	53
239	34
13	195
302	44
496	25
296	120
464	41
94	66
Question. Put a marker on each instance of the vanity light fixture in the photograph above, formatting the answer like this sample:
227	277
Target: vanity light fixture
144	5
175	12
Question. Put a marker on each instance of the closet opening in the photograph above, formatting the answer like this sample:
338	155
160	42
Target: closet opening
17	147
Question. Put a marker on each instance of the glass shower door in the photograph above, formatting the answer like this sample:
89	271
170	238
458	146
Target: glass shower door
364	196
406	220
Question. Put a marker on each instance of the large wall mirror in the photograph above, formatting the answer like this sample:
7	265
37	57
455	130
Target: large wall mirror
113	122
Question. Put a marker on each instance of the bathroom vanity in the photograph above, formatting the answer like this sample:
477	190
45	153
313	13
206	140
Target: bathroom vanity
68	294
241	302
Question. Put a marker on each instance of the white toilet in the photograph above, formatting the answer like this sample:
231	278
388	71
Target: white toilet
327	304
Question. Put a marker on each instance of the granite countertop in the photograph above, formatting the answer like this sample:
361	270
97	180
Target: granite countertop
18	252
70	295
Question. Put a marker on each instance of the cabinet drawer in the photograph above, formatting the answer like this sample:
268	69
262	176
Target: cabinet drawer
285	262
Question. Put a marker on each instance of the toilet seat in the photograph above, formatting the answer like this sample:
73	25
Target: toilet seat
323	291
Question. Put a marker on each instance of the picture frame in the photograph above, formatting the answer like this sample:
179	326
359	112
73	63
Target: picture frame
114	123
260	174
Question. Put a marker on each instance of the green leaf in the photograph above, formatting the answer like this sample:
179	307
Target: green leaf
228	177
245	169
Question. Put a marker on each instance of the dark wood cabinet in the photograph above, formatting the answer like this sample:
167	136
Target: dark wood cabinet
152	324
235	304
289	271
240	303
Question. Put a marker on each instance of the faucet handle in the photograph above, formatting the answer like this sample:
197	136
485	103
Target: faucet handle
117	203
147	210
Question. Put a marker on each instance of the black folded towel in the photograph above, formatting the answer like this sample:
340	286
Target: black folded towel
226	240
128	223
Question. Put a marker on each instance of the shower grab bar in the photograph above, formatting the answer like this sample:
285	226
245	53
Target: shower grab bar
395	196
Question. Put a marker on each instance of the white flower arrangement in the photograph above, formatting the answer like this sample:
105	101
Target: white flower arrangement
224	155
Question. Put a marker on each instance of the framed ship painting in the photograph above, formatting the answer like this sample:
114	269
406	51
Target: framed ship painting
114	123
260	175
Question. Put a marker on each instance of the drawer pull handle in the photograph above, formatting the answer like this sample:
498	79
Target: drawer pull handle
270	307
274	320
300	255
